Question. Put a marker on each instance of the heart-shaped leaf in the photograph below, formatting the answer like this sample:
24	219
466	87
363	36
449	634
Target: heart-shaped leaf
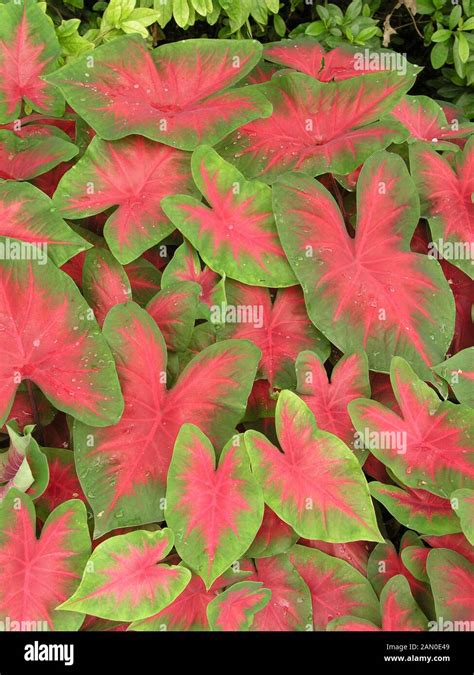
315	484
281	330
134	175
215	512
328	400
236	234
27	215
29	49
235	609
429	445
122	580
318	127
417	509
446	200
51	338
123	468
37	575
353	288
337	589
179	94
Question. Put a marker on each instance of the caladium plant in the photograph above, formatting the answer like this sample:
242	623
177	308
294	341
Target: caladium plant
210	393
315	484
429	446
354	280
280	329
215	511
308	56
29	49
134	175
180	94
446	199
237	235
230	352
55	561
27	155
122	580
316	127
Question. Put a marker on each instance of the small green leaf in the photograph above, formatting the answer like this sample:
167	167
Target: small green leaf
353	10
315	28
439	54
454	17
279	25
366	34
181	12
463	47
441	35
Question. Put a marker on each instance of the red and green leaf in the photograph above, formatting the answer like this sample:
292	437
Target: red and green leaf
145	280
417	509
353	288
426	121
356	553
175	309
318	127
274	537
185	265
235	233
235	608
342	63
26	156
446	201
328	401
104	282
315	484
429	445
29	49
122	580
337	589
452	581
186	613
47	336
399	609
37	575
179	94
289	608
458	371
123	468
414	559
189	611
281	330
22	409
385	563
352	624
28	215
454	542
134	175
215	512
